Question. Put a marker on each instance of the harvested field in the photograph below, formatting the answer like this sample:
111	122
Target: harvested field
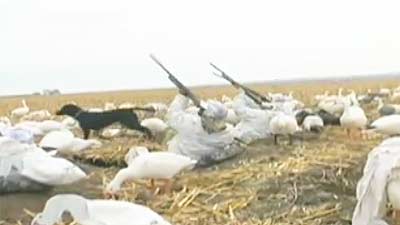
310	182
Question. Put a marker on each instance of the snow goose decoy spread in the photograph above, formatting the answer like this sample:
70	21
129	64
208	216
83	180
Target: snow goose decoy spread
150	165
21	111
96	212
353	116
24	167
379	184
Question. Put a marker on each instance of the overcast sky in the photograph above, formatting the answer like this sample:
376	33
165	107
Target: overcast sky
86	45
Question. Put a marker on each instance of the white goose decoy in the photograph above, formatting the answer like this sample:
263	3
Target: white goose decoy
97	110
395	96
313	123
51	125
97	212
380	184
319	98
353	116
70	123
65	142
387	125
133	153
143	164
38	115
111	132
24	167
109	106
284	123
159	108
225	99
155	125
126	105
333	104
41	128
385	91
388	109
21	111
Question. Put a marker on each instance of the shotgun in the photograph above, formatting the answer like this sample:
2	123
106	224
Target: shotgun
182	88
255	96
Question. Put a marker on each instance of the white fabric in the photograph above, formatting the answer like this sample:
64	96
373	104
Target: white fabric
254	122
41	167
371	189
216	110
10	155
243	100
34	163
19	134
32	126
191	139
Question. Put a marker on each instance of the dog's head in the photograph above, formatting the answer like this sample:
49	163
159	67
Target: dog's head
69	110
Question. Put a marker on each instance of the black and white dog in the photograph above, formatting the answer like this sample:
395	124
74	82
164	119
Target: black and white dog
98	120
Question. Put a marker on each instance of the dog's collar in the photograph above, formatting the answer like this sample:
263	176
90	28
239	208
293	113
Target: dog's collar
77	114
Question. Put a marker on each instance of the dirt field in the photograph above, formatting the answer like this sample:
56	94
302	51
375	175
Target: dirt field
310	182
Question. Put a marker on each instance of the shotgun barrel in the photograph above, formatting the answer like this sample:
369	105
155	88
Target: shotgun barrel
182	88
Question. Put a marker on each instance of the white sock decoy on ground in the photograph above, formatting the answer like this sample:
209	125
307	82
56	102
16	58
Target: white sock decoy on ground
96	212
